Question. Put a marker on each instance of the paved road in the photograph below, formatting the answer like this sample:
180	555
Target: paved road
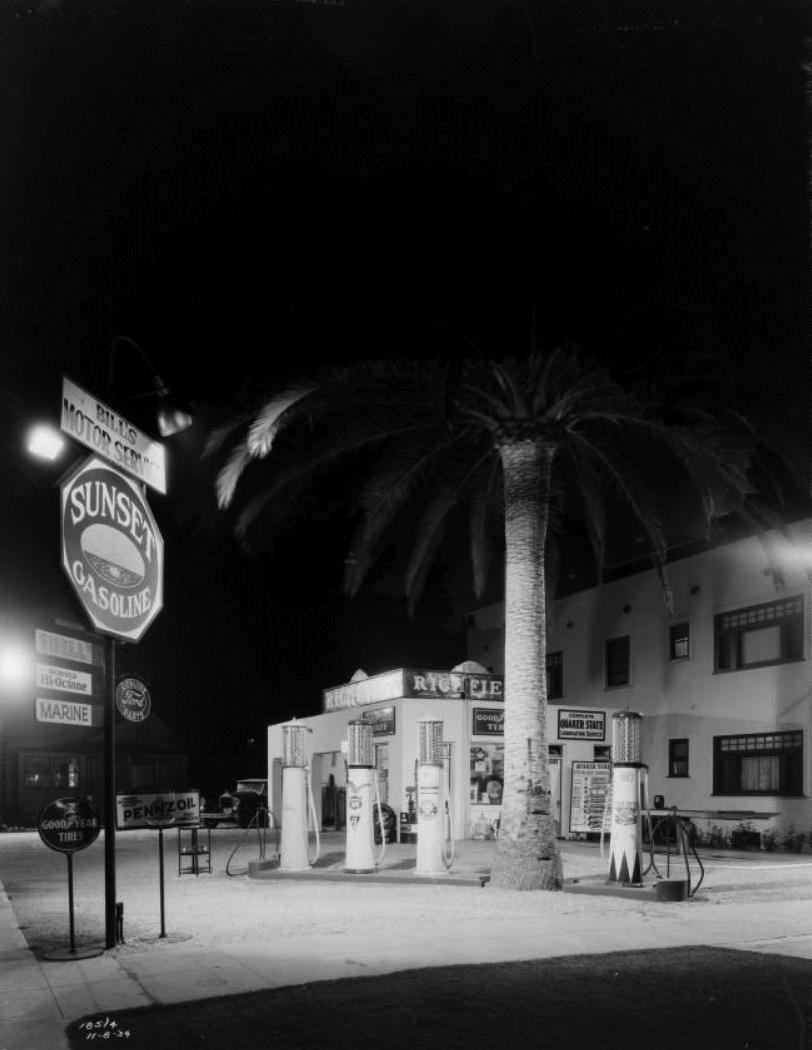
228	935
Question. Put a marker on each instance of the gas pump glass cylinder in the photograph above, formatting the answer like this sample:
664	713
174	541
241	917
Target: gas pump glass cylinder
626	737
359	744
430	741
293	745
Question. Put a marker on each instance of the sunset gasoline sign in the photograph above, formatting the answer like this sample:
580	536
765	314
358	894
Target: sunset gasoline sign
112	551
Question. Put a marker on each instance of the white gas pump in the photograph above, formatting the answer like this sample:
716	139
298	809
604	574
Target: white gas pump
297	801
362	793
627	770
432	812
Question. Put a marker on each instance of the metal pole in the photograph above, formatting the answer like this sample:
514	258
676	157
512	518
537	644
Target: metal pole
70	903
110	795
161	850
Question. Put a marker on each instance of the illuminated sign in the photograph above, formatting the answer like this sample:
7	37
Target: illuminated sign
67	712
112	551
97	427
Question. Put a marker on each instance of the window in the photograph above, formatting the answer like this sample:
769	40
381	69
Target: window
679	636
760	635
678	758
50	771
555	675
618	663
758	764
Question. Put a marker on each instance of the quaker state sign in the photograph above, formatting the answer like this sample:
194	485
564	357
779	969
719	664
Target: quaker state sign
112	551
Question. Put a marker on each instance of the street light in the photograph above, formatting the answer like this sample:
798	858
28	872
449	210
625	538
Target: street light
45	441
171	416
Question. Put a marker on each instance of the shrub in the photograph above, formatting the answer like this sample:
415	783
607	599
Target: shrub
769	840
715	837
792	841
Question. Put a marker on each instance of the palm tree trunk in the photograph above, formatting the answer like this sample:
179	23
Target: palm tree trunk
527	855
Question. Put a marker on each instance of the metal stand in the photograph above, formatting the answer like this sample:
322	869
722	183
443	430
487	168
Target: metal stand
161	852
199	855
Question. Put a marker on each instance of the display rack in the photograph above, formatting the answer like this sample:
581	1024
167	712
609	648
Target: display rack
194	851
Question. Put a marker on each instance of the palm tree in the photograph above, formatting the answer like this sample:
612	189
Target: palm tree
504	440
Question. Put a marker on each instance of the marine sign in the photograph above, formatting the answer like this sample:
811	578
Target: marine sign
112	551
97	427
69	824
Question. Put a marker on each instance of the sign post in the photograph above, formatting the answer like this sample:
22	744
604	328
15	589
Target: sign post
162	817
68	825
112	553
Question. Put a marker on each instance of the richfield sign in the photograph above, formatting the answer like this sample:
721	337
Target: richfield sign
112	551
106	433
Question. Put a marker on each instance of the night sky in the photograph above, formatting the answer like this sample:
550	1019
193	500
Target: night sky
244	188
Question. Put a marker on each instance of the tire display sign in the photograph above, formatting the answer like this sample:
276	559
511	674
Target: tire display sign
112	551
133	700
69	824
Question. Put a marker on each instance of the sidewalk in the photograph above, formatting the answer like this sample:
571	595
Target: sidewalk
324	924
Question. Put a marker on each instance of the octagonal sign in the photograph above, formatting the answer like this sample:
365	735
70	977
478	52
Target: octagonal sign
112	551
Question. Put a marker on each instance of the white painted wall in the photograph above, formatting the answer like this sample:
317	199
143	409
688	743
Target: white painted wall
684	698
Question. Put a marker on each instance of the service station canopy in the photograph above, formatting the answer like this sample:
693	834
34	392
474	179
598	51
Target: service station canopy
112	551
409	682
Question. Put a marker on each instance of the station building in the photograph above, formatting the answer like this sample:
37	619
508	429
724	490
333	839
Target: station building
722	684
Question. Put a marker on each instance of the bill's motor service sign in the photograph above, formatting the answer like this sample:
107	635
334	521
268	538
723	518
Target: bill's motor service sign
112	550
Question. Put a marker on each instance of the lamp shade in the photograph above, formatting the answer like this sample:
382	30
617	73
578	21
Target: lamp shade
172	418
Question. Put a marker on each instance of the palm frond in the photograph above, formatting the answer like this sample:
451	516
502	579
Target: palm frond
229	475
270	418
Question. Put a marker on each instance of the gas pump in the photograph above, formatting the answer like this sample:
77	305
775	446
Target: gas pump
297	801
433	814
627	772
362	794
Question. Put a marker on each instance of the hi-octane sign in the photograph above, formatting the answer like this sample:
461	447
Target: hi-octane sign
112	551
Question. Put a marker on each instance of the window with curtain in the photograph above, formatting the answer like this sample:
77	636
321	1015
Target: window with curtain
758	764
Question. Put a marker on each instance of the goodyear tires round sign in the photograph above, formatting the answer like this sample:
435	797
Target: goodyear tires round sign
112	551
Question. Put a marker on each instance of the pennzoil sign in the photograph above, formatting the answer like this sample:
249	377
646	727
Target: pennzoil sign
112	551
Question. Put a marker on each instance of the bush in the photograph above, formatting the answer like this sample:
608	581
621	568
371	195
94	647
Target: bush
745	836
769	840
717	837
792	841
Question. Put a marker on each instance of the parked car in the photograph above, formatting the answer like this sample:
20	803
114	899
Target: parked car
241	805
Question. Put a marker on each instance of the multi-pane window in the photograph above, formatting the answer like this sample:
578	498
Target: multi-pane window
618	661
678	757
758	764
679	637
759	635
50	771
555	675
